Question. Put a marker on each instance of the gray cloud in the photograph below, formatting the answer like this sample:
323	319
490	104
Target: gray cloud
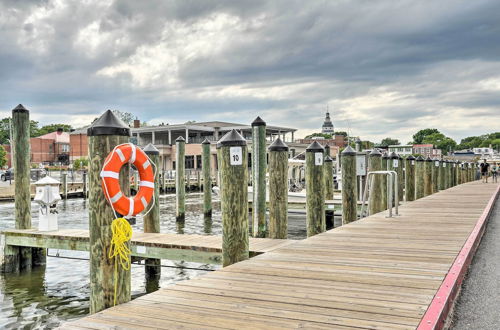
386	68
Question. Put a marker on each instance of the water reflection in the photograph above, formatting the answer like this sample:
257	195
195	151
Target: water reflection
46	297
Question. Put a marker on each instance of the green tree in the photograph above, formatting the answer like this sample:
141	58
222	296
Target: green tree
5	130
440	141
389	142
324	135
484	140
340	133
52	128
126	117
419	137
3	157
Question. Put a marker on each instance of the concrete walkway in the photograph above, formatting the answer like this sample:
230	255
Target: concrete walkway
479	303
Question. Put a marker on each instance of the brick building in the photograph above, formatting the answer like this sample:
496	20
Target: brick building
79	145
47	149
336	141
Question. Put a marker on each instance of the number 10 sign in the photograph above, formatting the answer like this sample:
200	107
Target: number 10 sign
236	156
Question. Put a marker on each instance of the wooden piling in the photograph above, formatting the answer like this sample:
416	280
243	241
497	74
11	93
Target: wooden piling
105	133
428	176
328	177
21	257
386	160
233	167
84	179
278	189
394	164
259	164
442	175
435	175
349	186
64	183
401	178
458	173
377	193
315	192
180	178
420	177
207	180
410	178
152	269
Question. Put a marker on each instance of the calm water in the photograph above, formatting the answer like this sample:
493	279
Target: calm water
59	292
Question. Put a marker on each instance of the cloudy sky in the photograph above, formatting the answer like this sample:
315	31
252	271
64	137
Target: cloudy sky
385	68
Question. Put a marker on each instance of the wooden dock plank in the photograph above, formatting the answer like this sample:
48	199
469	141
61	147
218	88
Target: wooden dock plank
375	273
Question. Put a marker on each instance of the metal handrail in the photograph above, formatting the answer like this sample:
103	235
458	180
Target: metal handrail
392	188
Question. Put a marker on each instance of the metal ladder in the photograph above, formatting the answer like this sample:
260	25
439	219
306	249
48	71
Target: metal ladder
392	191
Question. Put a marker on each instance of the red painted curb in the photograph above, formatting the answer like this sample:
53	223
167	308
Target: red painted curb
439	309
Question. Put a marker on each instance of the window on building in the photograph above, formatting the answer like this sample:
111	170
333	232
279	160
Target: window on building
198	161
189	161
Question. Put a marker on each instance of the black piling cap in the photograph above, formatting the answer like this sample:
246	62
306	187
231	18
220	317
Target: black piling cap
315	147
420	159
394	155
206	141
231	139
328	159
278	145
348	151
410	157
428	159
258	122
150	149
375	153
108	124
386	155
20	108
180	139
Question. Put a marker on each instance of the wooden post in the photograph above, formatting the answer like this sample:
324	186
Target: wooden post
327	151
162	184
435	175
233	167
386	161
419	177
84	179
458	173
428	176
449	174
207	180
410	178
442	174
180	177
278	189
328	177
20	258
152	269
376	199
315	192
259	164
105	133
349	183
64	183
394	164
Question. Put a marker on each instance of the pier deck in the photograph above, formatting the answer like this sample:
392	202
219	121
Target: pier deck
195	248
378	272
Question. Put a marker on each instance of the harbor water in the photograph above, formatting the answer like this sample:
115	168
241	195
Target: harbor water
59	292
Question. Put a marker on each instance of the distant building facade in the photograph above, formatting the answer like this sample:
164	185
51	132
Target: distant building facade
405	150
336	141
484	152
427	150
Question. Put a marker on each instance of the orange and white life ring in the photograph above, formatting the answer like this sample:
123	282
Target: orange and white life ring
110	174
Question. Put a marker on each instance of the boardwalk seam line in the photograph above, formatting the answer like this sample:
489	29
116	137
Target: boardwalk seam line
441	305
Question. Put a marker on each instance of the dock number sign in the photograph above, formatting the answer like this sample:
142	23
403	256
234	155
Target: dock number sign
395	162
360	165
236	156
318	158
437	163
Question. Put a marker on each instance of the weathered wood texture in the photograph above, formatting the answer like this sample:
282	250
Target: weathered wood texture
259	164
102	268
180	174
328	177
234	205
419	178
207	179
315	197
349	186
435	176
278	194
384	181
428	177
410	164
442	175
375	273
64	185
376	200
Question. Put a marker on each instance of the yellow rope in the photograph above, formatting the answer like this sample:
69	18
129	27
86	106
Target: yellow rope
122	233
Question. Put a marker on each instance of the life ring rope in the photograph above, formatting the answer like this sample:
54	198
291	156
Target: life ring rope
142	198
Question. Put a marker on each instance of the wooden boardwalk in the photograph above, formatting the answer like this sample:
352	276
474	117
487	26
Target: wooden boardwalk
195	248
377	273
